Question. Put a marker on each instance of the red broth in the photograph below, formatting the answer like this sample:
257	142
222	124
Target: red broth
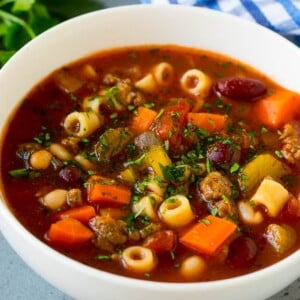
190	156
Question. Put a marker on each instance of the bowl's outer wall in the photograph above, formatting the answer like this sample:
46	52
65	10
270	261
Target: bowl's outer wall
141	25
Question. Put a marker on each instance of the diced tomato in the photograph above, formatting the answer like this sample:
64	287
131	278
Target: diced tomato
169	125
161	241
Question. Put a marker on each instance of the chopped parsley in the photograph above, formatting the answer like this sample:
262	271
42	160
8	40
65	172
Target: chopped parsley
103	257
234	168
173	173
278	153
19	172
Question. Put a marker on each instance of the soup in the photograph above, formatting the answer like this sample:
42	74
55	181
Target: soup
162	163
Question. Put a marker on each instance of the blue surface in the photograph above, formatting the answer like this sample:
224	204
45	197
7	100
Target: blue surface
19	282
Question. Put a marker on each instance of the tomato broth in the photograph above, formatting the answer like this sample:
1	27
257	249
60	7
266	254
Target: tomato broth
162	163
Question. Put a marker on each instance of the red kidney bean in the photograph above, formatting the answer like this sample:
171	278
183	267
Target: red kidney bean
291	212
242	252
70	174
239	88
220	153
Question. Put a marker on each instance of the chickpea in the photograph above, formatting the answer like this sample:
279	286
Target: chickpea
192	267
40	160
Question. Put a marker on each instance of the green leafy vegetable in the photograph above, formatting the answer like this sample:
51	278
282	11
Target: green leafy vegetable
23	20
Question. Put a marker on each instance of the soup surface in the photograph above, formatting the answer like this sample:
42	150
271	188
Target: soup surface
161	163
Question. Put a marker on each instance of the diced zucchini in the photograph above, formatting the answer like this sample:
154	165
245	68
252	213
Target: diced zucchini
155	158
272	195
112	142
260	167
280	237
128	175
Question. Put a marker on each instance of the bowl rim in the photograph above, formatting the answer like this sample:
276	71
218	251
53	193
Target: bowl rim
11	220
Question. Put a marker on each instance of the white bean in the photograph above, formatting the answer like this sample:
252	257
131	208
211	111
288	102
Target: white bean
54	199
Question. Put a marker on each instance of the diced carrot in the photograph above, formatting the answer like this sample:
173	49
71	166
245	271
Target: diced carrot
81	213
206	237
114	212
277	109
210	122
69	232
161	241
142	120
107	191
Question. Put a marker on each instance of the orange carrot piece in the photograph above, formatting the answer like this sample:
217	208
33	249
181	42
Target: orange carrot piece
106	191
277	109
81	213
207	236
210	122
142	120
69	232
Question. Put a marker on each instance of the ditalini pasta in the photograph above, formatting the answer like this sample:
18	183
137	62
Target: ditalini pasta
82	124
163	74
147	84
176	211
196	83
158	163
147	206
92	103
139	259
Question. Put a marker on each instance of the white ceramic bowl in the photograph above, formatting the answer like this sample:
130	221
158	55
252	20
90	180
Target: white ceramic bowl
140	25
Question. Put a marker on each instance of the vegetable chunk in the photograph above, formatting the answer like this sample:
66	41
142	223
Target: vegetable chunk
277	109
210	122
111	143
69	232
206	237
280	237
107	191
261	166
156	158
81	213
142	121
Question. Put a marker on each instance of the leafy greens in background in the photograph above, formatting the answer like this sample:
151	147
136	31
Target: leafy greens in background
22	20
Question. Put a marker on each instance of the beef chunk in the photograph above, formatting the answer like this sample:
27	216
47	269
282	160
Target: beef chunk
291	142
109	232
214	186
